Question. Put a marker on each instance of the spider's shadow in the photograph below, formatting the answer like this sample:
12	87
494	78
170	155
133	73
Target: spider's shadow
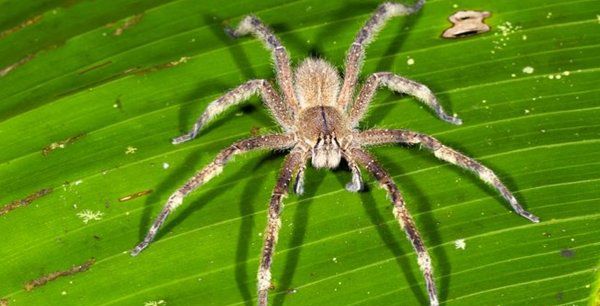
247	211
168	185
187	112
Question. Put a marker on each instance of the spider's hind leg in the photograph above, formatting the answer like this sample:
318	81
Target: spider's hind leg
355	55
253	25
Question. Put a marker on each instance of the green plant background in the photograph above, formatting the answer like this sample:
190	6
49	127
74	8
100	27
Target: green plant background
336	248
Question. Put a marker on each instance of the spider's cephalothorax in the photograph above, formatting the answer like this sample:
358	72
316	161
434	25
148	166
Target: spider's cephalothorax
319	113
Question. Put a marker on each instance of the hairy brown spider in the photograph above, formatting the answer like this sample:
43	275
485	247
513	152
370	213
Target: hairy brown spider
320	122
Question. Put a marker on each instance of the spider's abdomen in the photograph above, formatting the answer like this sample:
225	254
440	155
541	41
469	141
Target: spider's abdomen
317	83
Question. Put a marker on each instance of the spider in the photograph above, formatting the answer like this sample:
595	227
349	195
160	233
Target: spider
319	114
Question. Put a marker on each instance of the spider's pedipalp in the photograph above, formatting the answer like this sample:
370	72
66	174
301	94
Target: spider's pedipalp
292	163
239	94
356	184
356	53
299	181
403	217
376	137
276	141
253	25
401	85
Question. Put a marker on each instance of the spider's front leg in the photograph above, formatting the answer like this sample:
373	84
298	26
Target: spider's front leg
237	95
356	53
403	216
398	84
377	137
213	169
292	163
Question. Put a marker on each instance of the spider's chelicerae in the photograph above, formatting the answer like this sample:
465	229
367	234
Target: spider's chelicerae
319	114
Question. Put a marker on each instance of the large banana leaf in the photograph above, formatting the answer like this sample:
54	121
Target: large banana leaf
92	91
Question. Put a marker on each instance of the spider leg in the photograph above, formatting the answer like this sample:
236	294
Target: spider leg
253	25
292	162
403	217
275	141
398	84
356	53
375	137
237	95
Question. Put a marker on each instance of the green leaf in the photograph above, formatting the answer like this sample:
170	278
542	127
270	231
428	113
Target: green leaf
89	115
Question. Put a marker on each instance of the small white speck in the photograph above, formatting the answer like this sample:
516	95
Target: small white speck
524	37
155	303
513	75
334	259
526	111
543	131
572	239
78	182
528	70
166	166
558	76
130	150
88	215
454	5
566	73
549	15
115	105
460	244
410	61
551	77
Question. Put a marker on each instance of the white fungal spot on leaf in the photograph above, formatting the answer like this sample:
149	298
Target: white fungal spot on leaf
130	150
88	215
460	244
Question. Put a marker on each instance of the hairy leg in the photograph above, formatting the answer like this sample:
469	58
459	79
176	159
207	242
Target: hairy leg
253	25
292	162
210	171
237	95
403	217
398	84
356	53
375	137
